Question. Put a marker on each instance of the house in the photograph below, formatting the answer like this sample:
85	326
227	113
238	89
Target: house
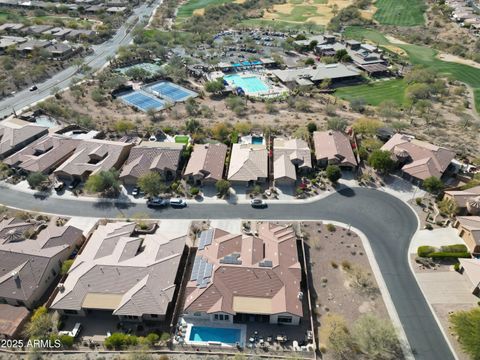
43	155
206	163
289	158
462	197
59	51
471	268
57	32
91	157
36	29
8	41
130	276
417	159
31	254
334	148
469	230
11	27
31	45
16	134
151	156
248	164
336	73
236	278
12	319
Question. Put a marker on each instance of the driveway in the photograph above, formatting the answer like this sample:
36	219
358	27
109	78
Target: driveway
388	223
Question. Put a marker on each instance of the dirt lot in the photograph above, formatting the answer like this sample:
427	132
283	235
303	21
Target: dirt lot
335	256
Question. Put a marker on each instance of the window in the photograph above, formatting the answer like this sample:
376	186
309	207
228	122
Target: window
215	316
197	314
284	319
154	315
227	317
71	312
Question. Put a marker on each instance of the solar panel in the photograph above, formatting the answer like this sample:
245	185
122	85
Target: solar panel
266	263
231	259
196	265
206	238
208	271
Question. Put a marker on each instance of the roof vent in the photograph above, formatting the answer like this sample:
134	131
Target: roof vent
61	287
300	295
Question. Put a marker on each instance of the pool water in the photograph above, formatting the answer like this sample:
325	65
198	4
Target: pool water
257	140
45	121
250	84
223	335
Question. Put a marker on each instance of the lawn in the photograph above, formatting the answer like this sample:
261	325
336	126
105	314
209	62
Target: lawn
283	25
375	93
187	9
400	12
423	55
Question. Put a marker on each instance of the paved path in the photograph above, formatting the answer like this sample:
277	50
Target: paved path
100	56
388	223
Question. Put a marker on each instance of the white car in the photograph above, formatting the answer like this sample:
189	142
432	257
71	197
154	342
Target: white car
258	203
177	202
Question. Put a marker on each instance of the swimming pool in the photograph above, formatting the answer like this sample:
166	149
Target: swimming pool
223	335
251	84
45	121
257	140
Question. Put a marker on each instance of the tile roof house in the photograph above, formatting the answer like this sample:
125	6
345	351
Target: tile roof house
248	163
134	277
16	134
461	197
43	155
93	156
469	231
145	158
334	148
237	275
289	157
471	269
29	266
12	319
206	163
418	159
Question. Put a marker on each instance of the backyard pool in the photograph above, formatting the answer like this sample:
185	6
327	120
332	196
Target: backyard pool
250	84
45	121
208	334
257	140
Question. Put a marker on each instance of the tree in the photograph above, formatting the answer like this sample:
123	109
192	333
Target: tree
367	126
151	183
105	182
36	179
337	124
309	61
433	184
40	324
66	265
466	325
192	107
152	338
376	338
335	333
215	86
222	187
311	127
124	126
220	131
381	160
333	173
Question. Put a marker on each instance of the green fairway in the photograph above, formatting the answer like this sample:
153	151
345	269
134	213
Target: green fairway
375	93
187	9
283	26
400	12
423	55
300	13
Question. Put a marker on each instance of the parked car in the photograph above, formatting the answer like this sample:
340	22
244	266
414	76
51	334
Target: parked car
258	203
136	191
177	202
74	332
58	185
73	184
33	88
157	202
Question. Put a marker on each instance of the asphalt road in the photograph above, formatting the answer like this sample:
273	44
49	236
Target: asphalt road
96	60
387	222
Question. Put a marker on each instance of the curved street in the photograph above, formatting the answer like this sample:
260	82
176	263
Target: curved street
388	223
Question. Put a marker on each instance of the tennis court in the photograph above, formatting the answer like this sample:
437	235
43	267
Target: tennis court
171	92
142	101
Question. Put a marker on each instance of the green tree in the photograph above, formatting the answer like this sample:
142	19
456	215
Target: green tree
337	124
151	183
433	184
152	338
215	86
66	265
333	173
381	160
40	324
36	179
367	126
222	187
105	182
124	126
311	127
466	325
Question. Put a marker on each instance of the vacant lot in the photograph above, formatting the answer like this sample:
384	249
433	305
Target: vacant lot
400	13
375	93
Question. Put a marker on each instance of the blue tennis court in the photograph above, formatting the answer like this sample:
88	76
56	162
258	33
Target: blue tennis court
171	92
143	101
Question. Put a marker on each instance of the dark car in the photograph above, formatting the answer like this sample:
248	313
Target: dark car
258	203
157	202
74	184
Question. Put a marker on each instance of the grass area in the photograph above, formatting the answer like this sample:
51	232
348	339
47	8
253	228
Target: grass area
283	26
300	13
375	93
400	12
425	56
187	9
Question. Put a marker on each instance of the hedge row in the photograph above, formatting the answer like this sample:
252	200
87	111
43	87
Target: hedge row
449	251
449	255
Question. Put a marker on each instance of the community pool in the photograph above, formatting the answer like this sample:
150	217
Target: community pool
209	334
250	84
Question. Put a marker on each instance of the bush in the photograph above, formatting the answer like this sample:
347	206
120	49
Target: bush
346	265
333	173
35	179
456	267
458	248
331	227
194	191
425	251
418	201
119	341
449	255
66	266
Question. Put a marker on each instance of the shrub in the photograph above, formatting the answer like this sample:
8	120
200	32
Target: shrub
450	255
346	265
425	251
194	191
456	267
66	266
454	248
331	227
334	264
333	173
418	201
119	341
